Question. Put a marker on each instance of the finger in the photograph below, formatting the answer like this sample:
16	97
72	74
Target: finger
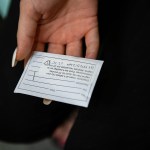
56	48
27	58
74	48
38	46
92	43
47	101
26	29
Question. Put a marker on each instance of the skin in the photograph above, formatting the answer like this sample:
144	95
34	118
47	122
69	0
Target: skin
62	24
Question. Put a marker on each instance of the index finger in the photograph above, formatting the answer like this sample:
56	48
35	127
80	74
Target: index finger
27	27
92	41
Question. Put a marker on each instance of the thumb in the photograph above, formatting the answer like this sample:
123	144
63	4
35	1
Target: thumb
27	27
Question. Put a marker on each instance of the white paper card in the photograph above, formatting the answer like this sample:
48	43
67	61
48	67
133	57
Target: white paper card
60	78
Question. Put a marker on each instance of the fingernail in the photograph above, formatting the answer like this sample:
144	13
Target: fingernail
46	101
14	61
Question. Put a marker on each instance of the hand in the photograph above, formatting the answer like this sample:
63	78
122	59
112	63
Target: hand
62	24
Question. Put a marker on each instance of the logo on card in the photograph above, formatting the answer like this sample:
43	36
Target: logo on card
47	63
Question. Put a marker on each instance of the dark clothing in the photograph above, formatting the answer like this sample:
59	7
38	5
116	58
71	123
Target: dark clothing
118	116
22	118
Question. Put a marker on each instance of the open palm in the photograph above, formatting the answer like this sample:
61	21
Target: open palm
62	24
